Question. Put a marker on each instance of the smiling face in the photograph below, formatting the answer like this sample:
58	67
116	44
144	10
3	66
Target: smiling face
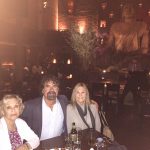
80	95
50	90
11	109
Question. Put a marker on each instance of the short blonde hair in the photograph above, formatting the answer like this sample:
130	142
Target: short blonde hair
7	97
74	92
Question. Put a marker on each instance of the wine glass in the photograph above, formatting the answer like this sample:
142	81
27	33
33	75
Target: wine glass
77	143
68	142
92	138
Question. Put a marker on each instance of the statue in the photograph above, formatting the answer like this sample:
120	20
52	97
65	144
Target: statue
131	42
129	35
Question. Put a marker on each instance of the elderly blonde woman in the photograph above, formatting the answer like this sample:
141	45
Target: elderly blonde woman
81	110
15	134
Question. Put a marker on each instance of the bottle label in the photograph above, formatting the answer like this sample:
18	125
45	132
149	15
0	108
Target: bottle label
73	137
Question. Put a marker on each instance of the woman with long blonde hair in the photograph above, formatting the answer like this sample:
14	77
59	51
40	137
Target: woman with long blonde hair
81	110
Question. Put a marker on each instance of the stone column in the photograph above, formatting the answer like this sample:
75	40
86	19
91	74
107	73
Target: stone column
53	15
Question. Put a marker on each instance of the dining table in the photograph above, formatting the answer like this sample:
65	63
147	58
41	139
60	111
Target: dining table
87	136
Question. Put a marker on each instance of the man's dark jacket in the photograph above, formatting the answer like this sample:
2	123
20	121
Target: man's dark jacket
32	113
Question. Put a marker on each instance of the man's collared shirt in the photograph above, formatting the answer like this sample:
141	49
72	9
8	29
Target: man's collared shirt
52	120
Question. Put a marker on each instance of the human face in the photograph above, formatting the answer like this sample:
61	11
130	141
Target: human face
128	11
50	90
80	95
11	109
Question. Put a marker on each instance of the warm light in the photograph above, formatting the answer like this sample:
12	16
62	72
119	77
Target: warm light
69	77
68	61
103	23
111	15
62	27
149	12
26	68
102	41
54	61
102	78
105	85
121	5
70	6
140	4
104	5
45	4
42	72
104	71
82	25
7	64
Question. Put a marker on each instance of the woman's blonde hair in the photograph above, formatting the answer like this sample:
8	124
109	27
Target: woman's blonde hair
7	97
74	92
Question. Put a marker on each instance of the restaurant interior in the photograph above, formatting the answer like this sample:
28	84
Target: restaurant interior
69	39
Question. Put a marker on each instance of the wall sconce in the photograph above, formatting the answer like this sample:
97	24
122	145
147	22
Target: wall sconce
111	14
149	12
45	3
105	85
104	5
42	72
104	71
82	25
121	5
54	61
140	4
68	61
62	27
102	41
70	4
103	23
70	76
102	78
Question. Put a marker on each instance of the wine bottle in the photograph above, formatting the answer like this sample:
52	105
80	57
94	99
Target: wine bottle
73	132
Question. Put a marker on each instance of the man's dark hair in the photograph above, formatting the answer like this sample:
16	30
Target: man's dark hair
48	78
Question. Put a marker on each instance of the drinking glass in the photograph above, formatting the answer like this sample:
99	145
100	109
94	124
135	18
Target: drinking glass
77	144
92	138
68	143
100	144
